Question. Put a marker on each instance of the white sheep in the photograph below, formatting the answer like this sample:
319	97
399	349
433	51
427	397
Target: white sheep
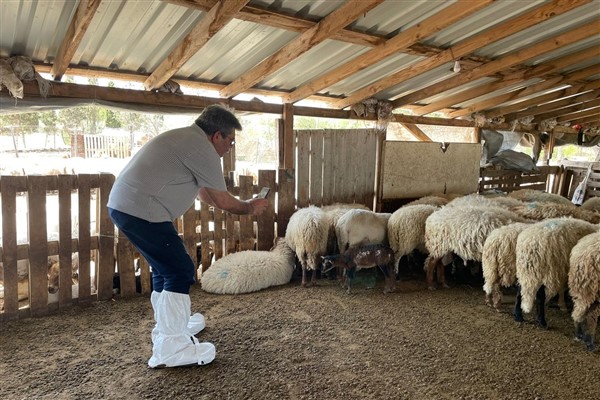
484	201
361	227
584	287
531	195
406	230
543	262
544	210
591	204
460	230
306	234
432	200
499	260
250	271
334	212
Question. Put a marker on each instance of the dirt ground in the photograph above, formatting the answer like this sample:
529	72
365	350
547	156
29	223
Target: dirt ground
290	342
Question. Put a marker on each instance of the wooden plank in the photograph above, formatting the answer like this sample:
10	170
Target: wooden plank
145	276
316	167
125	266
338	171
288	135
38	240
83	251
231	238
65	251
106	243
212	21
368	158
303	166
190	236
328	167
325	28
205	247
8	188
286	204
247	236
346	187
219	217
265	223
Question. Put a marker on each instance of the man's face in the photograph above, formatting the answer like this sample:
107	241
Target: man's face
223	143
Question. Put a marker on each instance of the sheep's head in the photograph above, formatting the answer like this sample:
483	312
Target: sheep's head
330	262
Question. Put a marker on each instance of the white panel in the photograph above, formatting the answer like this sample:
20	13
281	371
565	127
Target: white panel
416	169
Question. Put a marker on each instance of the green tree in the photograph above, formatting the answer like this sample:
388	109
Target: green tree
49	120
19	124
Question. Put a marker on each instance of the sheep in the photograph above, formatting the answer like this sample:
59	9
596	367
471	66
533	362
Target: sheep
250	271
361	227
334	212
529	195
306	234
433	200
498	260
484	201
545	210
591	204
359	257
406	230
584	287
543	262
461	231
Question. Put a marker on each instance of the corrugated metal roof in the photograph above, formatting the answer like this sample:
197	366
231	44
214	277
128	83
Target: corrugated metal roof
137	36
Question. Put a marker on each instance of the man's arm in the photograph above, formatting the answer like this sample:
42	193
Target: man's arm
226	201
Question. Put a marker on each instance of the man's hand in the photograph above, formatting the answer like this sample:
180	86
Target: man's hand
258	205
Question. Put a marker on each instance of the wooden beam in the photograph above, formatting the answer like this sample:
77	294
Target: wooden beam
463	49
554	105
335	21
525	92
218	16
79	24
574	107
416	132
552	44
404	39
578	114
544	71
177	103
288	135
573	90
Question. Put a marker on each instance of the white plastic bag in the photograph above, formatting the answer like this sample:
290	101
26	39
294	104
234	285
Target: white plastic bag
579	195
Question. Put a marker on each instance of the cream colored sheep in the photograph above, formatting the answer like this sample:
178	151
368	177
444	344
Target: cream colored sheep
484	201
306	234
591	204
250	271
498	261
539	211
361	227
406	230
543	261
334	212
437	201
584	287
460	230
530	195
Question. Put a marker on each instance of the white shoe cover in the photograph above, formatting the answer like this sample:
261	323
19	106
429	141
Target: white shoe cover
196	323
173	345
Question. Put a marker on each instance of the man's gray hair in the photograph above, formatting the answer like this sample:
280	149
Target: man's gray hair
218	118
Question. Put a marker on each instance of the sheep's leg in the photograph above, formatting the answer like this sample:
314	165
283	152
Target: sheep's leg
591	325
441	275
390	280
303	274
430	265
540	303
496	297
518	312
349	276
313	278
562	304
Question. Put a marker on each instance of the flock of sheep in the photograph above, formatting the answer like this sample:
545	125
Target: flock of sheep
537	241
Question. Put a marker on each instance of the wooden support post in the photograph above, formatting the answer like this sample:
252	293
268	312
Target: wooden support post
265	223
106	245
288	135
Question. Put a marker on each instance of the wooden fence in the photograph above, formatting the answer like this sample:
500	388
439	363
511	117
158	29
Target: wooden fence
549	179
102	251
102	146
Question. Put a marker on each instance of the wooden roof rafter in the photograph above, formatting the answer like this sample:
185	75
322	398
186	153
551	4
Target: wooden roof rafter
323	30
461	49
216	18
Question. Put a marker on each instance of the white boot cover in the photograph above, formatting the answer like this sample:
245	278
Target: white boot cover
174	345
195	324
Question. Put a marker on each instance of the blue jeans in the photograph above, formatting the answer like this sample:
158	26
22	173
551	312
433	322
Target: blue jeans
159	242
